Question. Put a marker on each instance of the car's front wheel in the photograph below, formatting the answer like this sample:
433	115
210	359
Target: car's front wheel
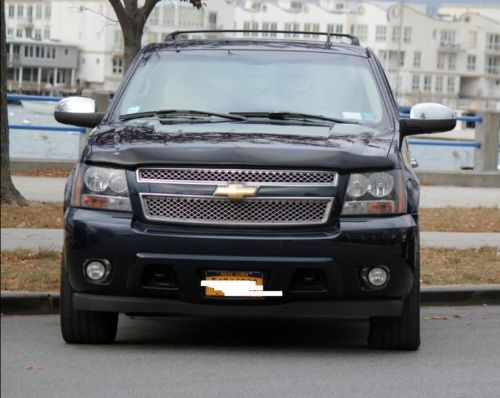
84	327
401	333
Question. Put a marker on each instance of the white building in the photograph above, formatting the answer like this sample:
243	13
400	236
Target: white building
453	58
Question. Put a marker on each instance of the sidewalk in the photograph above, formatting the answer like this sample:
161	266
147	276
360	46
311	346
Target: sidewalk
32	239
52	190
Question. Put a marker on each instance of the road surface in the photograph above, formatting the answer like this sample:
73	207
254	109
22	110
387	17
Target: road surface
459	357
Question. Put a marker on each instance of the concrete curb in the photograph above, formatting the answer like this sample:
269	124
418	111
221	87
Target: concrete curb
30	303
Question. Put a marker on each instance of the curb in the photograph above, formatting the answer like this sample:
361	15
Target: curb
31	303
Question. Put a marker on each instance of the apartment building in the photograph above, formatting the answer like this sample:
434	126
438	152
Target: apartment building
453	58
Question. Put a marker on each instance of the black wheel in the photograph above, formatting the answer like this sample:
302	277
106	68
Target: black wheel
84	327
400	333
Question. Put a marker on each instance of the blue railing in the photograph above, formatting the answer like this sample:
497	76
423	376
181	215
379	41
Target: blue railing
404	114
17	97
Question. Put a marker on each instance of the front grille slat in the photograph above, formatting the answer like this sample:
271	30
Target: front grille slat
165	175
255	211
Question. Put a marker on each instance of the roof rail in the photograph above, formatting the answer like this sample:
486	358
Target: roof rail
354	39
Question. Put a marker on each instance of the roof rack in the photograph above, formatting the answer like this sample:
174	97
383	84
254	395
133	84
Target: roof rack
354	39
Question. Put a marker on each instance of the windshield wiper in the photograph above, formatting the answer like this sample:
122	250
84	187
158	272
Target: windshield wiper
174	113
293	116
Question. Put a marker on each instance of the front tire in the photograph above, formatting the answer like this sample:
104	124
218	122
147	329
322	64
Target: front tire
84	327
401	333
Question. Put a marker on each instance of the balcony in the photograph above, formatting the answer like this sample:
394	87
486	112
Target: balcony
492	70
447	46
493	48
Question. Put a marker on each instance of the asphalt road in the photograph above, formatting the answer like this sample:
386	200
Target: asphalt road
459	357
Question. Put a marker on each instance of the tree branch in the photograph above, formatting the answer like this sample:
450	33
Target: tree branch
146	10
120	13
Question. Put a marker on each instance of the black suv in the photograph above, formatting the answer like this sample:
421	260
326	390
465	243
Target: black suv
245	177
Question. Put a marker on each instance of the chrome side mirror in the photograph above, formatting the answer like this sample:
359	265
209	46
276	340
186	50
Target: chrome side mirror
432	111
427	118
78	111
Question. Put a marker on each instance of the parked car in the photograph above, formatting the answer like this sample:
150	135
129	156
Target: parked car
246	177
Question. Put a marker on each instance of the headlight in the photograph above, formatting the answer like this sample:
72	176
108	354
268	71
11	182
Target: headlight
375	194
101	188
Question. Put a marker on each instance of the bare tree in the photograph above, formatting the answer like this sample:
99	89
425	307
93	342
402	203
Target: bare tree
9	193
132	20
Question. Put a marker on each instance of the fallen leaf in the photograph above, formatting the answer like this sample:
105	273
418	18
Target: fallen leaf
456	316
436	318
32	366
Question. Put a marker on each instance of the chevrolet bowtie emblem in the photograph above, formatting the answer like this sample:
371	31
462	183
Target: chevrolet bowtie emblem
236	191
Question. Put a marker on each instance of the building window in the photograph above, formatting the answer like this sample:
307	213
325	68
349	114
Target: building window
451	84
415	82
448	38
97	61
42	52
212	20
169	14
396	33
246	26
440	61
401	58
274	26
38	34
117	65
417	59
493	41
439	84
28	32
254	26
38	11
20	11
19	32
335	28
380	33
362	32
295	6
12	11
407	34
10	32
46	34
29	11
452	61
472	39
471	62
427	83
311	27
47	11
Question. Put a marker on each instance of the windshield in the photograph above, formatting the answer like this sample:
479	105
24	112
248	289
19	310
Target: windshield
228	81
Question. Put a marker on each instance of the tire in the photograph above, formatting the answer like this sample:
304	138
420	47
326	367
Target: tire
84	327
401	333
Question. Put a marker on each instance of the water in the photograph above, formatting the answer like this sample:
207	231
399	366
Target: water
58	145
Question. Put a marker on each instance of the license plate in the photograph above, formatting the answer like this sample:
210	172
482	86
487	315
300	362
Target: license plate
256	276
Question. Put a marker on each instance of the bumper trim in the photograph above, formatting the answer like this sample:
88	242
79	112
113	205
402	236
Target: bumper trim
302	309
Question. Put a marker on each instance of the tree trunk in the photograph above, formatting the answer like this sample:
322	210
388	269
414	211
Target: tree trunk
9	193
130	48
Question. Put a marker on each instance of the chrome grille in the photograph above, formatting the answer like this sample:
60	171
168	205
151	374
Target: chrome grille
254	211
224	176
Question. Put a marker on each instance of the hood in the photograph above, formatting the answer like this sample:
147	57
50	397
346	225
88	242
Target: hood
152	142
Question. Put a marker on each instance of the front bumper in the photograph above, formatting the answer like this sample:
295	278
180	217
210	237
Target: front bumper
340	253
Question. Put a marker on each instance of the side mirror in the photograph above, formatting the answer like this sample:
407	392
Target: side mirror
78	111
428	118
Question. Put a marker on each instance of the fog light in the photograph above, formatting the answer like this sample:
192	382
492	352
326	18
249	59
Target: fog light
378	276
97	270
